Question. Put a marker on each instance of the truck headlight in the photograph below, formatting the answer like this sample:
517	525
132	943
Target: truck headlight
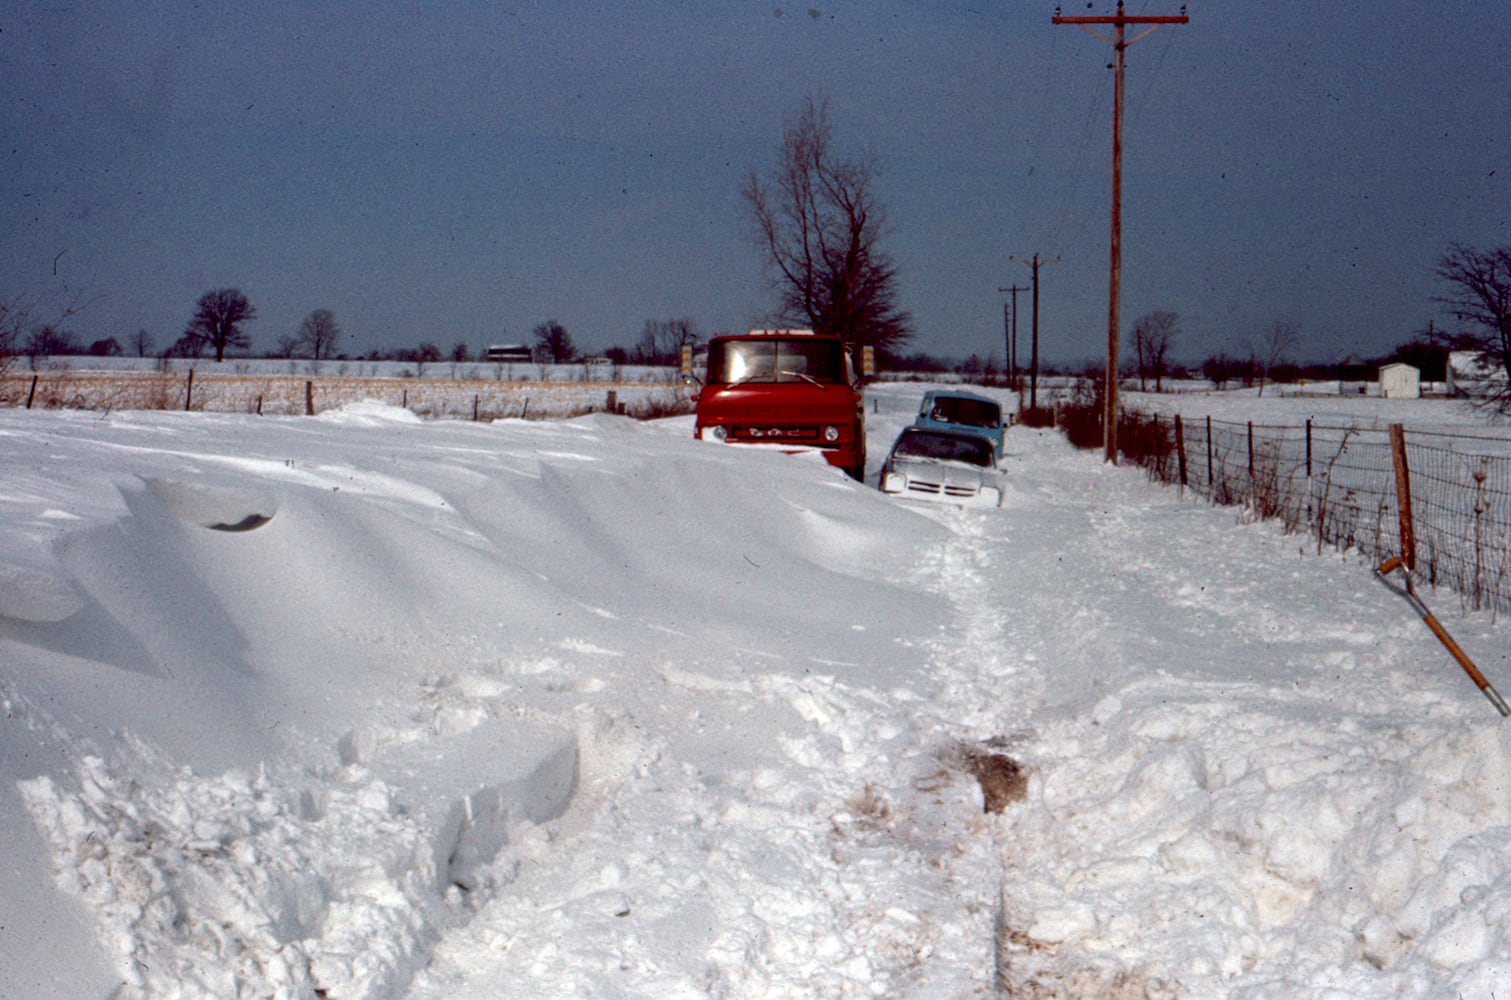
831	434
714	433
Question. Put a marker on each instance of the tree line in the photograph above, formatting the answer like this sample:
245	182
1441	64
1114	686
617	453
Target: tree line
821	232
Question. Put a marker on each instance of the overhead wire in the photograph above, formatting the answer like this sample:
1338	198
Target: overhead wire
1034	219
1072	214
1028	198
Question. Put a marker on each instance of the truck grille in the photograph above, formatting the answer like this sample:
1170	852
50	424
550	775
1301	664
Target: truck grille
774	434
941	489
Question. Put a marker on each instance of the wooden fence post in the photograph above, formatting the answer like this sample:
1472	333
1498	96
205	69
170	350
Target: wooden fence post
475	398
1403	496
32	393
309	398
189	391
1180	449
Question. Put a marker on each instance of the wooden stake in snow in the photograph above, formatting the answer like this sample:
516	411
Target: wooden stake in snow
1390	566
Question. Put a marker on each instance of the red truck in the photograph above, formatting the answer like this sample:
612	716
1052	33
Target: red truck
790	389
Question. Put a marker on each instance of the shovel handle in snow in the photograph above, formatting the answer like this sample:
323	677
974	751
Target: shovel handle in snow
1390	566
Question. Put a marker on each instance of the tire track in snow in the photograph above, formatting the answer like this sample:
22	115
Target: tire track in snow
1195	704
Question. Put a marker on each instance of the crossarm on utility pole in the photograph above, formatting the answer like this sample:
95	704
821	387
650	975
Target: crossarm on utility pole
1119	43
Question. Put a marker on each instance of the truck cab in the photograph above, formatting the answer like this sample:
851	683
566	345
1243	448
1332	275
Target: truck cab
789	389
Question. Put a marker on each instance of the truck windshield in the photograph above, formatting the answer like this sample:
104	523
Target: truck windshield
970	412
775	359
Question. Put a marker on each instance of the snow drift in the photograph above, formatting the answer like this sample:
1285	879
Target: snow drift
358	706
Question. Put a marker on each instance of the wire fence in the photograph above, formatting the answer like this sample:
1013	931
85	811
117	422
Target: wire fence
1346	487
458	399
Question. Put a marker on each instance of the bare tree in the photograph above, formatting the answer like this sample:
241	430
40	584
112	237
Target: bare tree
1220	369
318	334
553	341
1272	347
47	339
13	322
217	321
819	226
187	346
1480	283
141	343
1153	334
661	341
460	352
23	327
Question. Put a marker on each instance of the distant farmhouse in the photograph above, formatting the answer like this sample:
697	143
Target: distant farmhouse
508	353
1469	375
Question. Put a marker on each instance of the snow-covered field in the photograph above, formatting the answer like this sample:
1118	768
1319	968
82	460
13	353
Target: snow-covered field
1291	406
359	706
269	388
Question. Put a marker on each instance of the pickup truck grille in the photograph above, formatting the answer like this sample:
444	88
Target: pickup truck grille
942	489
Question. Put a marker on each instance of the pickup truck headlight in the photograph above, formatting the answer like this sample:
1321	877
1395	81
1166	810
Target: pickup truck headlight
831	434
714	433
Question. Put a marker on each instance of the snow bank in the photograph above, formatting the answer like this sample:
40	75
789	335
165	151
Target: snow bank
357	706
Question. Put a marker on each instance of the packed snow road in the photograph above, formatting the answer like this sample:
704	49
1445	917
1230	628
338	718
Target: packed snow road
590	709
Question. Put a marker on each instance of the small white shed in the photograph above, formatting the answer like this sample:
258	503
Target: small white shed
1400	381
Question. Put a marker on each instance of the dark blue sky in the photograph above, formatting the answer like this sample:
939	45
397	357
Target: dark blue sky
465	171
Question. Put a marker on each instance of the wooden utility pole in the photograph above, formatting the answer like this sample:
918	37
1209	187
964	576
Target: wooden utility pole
1033	371
1011	325
1119	43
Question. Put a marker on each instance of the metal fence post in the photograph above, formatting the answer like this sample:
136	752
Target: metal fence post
1308	447
1211	482
1180	449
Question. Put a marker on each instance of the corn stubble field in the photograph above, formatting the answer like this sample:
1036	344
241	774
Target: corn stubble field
458	399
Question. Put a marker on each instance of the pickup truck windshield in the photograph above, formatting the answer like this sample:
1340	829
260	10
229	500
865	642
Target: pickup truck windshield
945	447
775	359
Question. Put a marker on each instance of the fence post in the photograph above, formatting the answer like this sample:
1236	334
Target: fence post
475	398
1180	449
189	391
1308	447
1403	496
1211	480
1251	458
611	404
309	398
32	393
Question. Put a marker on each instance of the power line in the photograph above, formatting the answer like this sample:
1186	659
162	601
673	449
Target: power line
1033	375
1119	43
1010	330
